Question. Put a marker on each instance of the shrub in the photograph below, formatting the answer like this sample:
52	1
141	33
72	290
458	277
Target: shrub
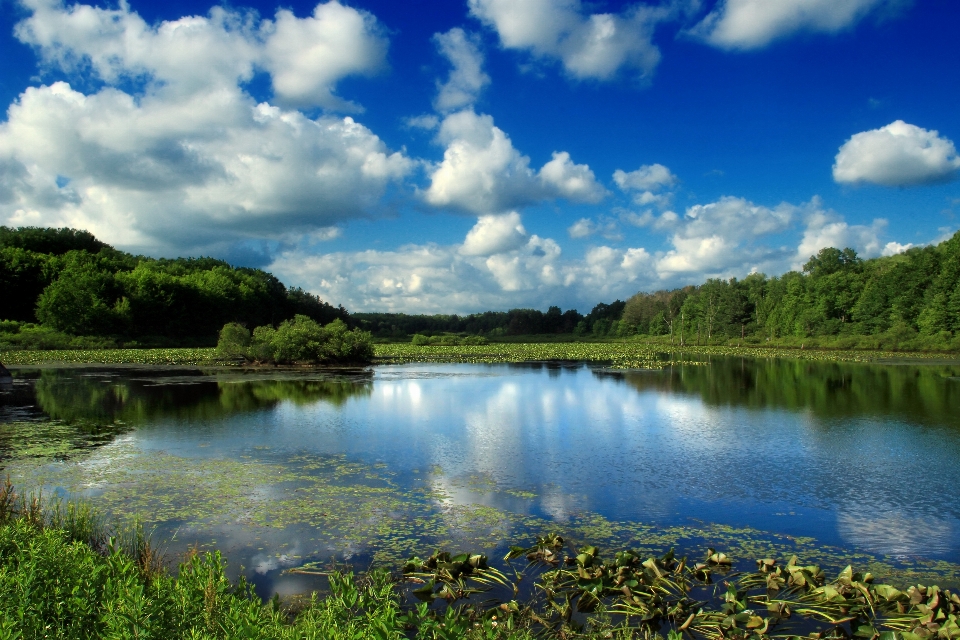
300	340
234	341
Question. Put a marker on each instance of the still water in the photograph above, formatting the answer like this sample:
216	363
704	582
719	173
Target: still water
280	468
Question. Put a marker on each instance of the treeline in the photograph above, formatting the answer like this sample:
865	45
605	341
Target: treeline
75	285
494	324
910	300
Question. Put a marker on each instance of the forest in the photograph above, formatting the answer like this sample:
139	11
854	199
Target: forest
58	284
909	300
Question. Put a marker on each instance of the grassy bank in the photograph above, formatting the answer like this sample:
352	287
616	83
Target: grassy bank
64	574
632	354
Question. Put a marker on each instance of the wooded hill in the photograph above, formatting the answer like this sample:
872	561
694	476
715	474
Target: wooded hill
74	284
910	300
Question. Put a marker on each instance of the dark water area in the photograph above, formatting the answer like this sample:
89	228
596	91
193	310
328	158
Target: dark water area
279	468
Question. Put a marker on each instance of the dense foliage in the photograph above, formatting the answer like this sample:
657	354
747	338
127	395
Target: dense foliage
909	300
300	340
75	285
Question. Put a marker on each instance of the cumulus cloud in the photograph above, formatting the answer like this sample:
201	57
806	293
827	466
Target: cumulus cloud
190	161
483	173
498	265
827	229
494	234
649	177
572	181
897	155
582	228
501	265
590	46
893	248
650	184
720	237
306	57
467	78
750	24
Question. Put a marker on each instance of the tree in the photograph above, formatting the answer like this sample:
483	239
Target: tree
300	340
82	300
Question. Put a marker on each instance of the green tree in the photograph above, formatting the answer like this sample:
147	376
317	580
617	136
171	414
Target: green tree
82	300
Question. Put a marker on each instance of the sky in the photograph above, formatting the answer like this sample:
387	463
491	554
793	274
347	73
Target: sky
455	156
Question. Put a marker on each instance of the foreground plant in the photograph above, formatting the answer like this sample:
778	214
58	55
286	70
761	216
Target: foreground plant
64	574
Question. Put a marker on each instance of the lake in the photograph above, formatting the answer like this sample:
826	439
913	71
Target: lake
279	468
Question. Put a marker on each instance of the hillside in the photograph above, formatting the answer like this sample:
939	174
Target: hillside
73	284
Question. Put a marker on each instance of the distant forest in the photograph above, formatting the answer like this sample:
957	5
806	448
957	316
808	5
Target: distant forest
75	285
910	300
65	282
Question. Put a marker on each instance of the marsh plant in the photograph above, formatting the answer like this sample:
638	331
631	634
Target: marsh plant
65	574
300	340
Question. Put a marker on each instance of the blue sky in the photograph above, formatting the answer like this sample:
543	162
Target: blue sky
458	156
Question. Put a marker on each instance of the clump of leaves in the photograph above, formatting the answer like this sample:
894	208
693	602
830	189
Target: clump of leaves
300	340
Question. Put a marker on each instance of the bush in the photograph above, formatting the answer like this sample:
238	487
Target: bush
300	340
234	341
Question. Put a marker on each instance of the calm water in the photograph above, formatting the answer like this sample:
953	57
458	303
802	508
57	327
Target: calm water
280	468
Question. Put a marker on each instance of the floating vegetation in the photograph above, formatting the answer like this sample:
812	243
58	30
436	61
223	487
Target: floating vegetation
53	440
618	355
637	595
624	355
331	506
188	356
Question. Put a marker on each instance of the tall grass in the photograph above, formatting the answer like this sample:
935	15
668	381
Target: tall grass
65	574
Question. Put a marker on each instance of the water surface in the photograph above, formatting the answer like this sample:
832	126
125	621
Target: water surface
283	467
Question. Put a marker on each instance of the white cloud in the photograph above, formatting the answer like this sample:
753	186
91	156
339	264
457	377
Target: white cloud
893	248
650	184
649	177
501	265
189	162
719	238
483	173
897	155
750	24
572	181
306	57
827	229
497	266
582	228
467	78
594	46
494	234
666	220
